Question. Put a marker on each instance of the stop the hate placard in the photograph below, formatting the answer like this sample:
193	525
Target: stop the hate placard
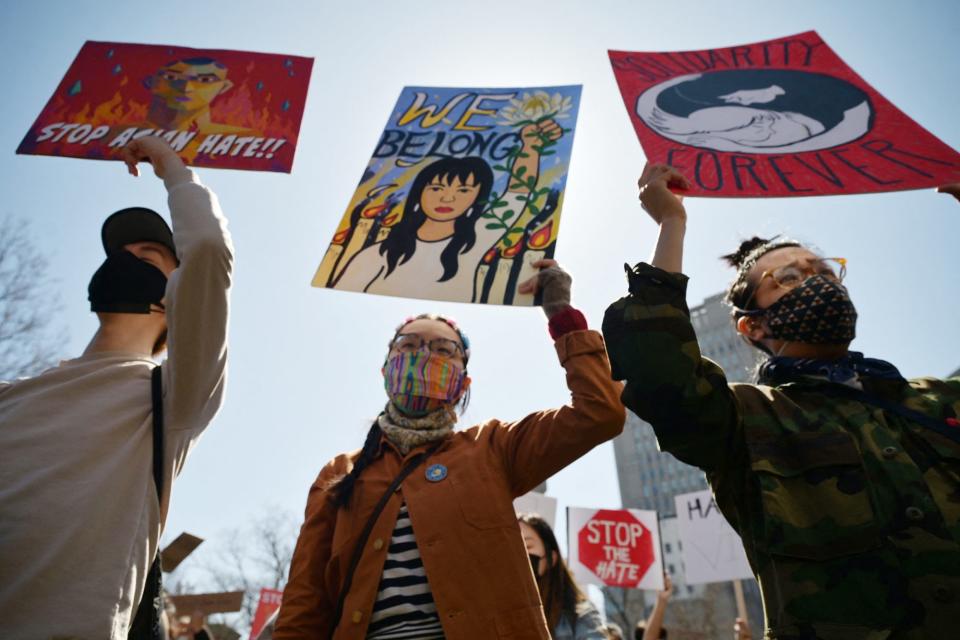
216	108
784	117
615	547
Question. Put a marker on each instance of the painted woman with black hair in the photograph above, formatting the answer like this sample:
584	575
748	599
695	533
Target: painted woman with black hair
436	247
414	535
569	613
841	476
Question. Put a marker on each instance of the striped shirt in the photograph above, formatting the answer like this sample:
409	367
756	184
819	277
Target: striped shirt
404	607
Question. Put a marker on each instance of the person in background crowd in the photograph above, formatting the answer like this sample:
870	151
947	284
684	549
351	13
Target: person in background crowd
192	628
652	628
840	476
79	516
443	557
570	615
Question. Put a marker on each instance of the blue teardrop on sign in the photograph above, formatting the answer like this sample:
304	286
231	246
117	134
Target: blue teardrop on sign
436	472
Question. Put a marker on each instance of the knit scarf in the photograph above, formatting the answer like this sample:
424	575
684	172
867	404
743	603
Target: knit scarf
407	433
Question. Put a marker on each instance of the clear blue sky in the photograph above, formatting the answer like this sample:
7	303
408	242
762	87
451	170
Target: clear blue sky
304	369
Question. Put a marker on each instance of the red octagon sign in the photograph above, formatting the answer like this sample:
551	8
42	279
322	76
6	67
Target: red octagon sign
617	547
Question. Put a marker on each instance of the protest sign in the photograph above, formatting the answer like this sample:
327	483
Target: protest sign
177	551
710	548
207	603
216	108
462	194
784	117
538	504
615	547
270	600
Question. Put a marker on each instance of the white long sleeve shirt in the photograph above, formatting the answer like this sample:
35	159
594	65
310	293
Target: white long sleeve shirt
79	519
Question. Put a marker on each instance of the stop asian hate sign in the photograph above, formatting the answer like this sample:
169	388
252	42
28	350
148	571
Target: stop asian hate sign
615	547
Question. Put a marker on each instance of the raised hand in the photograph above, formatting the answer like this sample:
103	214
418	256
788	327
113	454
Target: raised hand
952	189
555	284
537	134
741	630
154	150
655	195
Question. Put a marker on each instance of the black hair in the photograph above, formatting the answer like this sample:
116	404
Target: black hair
741	290
344	486
402	241
740	293
559	592
197	61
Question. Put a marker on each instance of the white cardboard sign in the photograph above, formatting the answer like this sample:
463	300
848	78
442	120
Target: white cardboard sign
540	504
711	549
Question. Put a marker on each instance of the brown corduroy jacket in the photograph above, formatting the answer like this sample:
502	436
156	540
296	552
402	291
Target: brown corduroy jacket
465	526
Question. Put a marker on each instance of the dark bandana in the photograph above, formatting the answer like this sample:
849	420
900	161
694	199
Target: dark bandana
781	369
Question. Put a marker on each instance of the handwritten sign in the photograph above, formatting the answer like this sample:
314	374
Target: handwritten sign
711	549
784	117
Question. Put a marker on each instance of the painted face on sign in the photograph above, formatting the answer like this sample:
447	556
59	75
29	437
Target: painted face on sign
190	85
445	198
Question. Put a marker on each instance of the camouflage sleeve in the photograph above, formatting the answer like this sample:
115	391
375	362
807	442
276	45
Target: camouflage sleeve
653	347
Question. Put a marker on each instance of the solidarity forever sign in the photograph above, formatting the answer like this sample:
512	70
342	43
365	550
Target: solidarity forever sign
784	117
462	194
615	547
710	548
217	108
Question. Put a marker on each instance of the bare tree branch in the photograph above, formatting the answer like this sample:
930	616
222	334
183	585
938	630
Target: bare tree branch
29	342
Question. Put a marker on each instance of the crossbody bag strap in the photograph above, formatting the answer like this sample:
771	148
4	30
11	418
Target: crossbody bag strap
415	462
156	392
145	620
941	426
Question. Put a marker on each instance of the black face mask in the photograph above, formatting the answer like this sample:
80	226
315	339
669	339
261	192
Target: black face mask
819	311
126	284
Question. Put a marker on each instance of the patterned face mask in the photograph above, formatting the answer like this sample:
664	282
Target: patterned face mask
420	382
818	311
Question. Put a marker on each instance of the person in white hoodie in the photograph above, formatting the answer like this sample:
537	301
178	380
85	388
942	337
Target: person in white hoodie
80	518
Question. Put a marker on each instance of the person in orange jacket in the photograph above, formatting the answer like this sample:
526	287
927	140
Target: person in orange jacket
443	557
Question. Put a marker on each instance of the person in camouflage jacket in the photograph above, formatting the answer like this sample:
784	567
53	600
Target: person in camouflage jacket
841	477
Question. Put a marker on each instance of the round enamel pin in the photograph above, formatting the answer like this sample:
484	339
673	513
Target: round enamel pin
436	472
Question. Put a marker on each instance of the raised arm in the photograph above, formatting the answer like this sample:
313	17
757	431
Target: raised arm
666	209
544	442
198	291
655	621
535	139
653	347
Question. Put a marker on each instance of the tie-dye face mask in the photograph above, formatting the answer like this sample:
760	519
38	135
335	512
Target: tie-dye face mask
420	382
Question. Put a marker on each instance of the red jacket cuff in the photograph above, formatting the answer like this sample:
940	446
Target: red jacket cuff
564	322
